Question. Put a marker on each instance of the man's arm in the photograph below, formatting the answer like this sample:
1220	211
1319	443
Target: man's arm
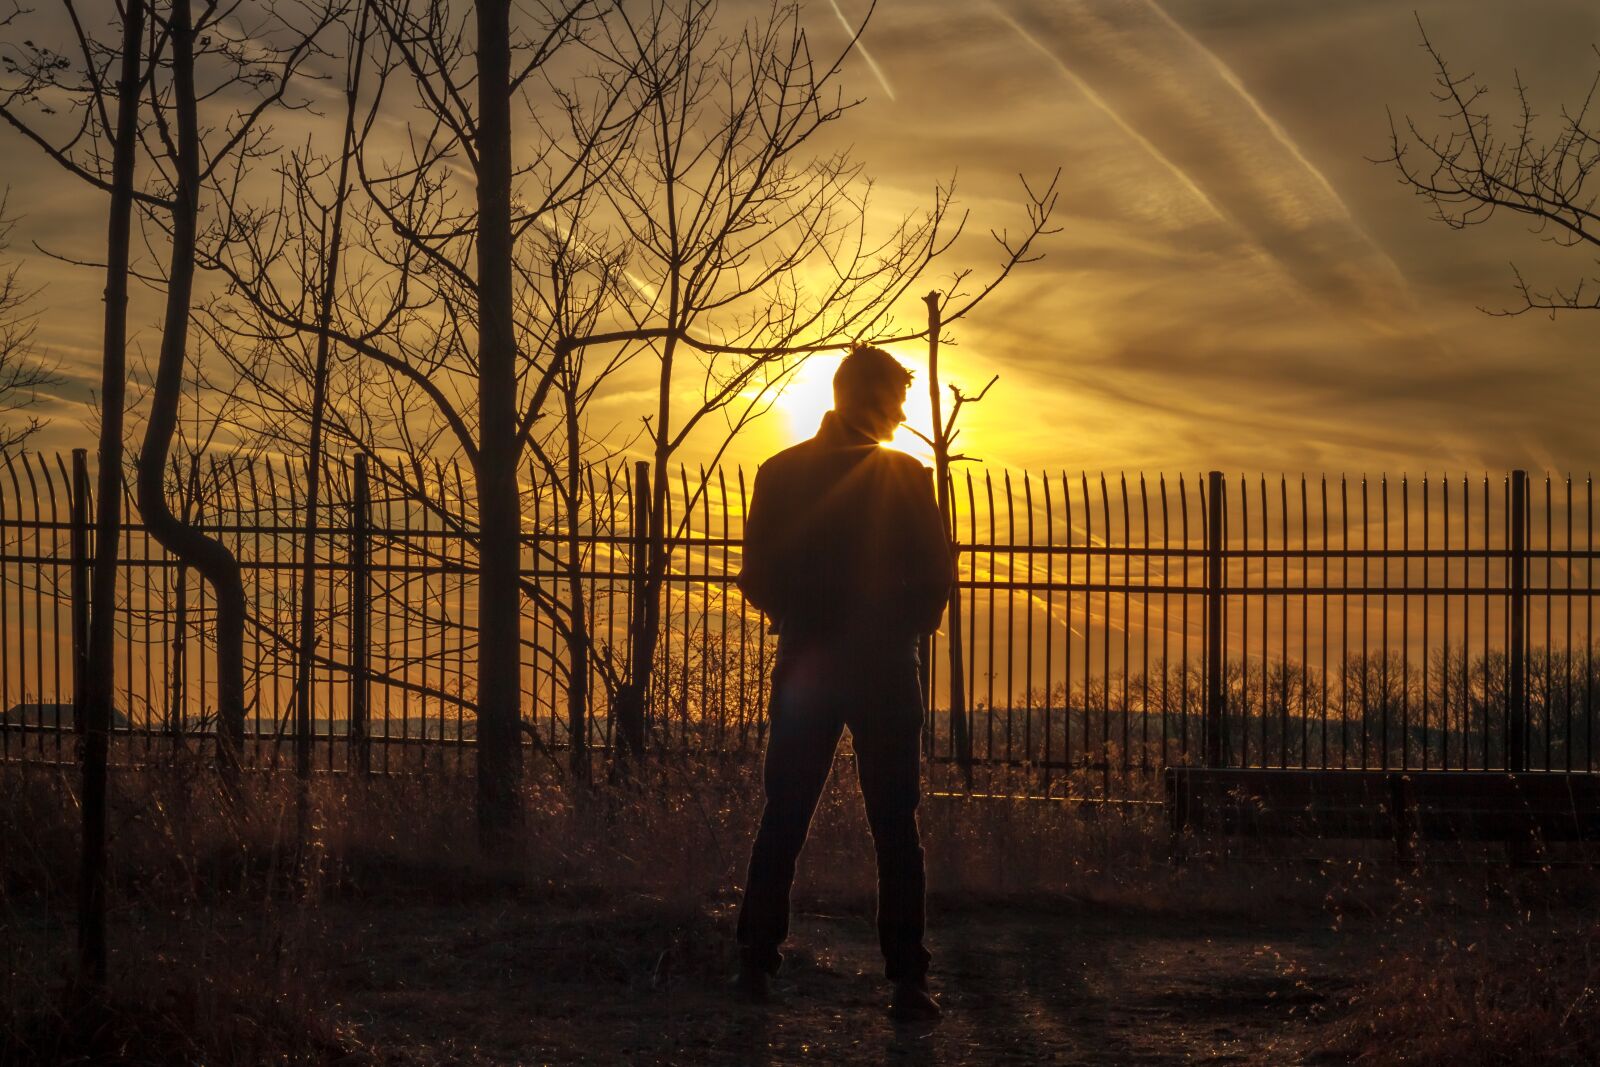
933	570
760	578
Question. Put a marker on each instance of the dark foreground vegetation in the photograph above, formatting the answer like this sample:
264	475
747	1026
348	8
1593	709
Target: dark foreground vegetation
1061	933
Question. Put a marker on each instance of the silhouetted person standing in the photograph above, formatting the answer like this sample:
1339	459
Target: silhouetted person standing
845	552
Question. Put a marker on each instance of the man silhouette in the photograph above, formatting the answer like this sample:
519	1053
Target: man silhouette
845	551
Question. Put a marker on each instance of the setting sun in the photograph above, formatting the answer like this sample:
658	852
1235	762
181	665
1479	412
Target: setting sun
809	396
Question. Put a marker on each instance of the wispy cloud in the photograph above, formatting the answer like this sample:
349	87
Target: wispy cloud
1110	112
1189	110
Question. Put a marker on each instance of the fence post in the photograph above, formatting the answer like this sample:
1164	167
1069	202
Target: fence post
360	621
81	521
1214	636
639	565
1517	666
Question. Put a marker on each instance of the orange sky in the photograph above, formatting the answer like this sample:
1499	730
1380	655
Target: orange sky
1235	284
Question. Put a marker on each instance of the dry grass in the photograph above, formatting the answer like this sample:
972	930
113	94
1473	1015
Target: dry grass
204	998
1516	992
1498	967
227	951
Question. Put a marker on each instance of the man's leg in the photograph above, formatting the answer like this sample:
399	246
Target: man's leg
887	741
800	746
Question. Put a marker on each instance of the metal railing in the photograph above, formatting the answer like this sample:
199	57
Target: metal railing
1109	626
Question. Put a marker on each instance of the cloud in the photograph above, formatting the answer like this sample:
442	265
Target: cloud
1230	286
1188	109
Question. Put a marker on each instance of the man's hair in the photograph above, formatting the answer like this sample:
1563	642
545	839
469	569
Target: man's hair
867	370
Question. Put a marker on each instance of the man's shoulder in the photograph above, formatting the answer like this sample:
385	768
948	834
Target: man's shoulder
905	461
809	454
793	454
792	458
902	464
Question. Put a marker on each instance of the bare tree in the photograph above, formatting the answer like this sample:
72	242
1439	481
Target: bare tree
100	669
747	253
313	191
945	431
1473	170
99	672
664	166
566	279
240	61
331	245
460	351
260	60
585	280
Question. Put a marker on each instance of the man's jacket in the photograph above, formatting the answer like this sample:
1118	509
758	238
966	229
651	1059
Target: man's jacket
843	539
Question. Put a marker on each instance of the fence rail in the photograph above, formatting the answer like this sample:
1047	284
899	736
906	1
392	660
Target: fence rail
1109	626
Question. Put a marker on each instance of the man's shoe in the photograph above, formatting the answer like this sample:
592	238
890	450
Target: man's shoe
914	1004
753	985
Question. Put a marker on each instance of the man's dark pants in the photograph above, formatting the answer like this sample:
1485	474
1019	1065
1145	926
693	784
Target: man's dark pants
818	688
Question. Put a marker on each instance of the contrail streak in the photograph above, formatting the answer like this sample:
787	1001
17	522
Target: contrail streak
1234	82
872	64
1189	111
1100	102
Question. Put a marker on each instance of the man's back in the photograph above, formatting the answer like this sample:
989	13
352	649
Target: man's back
843	539
845	551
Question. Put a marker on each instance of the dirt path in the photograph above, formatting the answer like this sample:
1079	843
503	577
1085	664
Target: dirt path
1020	986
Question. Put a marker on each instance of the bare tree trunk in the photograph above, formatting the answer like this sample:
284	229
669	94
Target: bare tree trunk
100	678
319	402
207	555
499	506
578	633
629	707
646	622
960	733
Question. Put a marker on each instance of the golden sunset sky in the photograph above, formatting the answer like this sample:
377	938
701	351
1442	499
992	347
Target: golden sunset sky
1235	284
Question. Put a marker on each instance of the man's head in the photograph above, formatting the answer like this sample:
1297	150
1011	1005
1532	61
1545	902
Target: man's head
869	391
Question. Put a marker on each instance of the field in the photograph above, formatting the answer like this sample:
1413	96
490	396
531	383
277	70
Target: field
1061	935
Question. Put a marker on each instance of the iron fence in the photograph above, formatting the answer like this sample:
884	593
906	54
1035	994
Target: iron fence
1107	626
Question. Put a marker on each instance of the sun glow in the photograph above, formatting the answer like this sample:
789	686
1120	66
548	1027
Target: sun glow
809	396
